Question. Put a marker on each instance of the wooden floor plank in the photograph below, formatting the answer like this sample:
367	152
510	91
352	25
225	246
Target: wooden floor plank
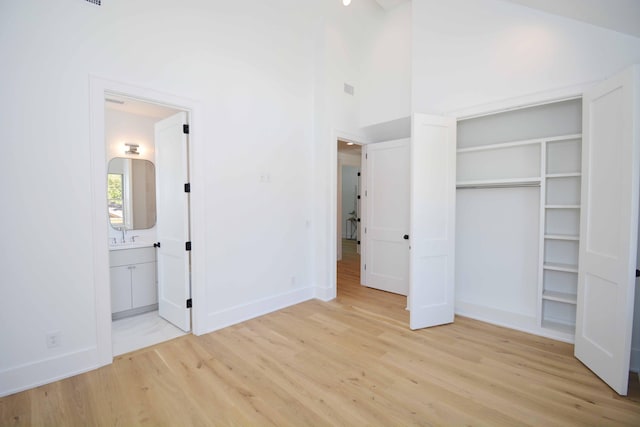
351	361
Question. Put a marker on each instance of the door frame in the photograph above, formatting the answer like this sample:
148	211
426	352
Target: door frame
98	88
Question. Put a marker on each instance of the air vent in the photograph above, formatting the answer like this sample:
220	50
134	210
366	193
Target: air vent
98	2
348	89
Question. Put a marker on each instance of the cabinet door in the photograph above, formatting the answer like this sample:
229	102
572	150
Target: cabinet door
120	288
144	289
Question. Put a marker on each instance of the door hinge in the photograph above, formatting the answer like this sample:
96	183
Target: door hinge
358	241
189	303
366	194
185	129
365	230
366	156
358	219
365	266
187	187
358	197
358	173
156	245
187	246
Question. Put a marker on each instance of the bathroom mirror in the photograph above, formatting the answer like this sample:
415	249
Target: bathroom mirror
131	193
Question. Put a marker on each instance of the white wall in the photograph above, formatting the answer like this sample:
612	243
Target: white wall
386	77
249	64
341	37
474	52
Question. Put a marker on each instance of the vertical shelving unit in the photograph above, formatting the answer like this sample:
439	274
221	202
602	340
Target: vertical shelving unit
560	230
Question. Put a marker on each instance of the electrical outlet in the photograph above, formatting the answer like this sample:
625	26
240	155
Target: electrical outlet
293	280
53	339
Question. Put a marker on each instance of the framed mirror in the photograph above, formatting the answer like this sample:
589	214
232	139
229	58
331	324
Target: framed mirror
131	193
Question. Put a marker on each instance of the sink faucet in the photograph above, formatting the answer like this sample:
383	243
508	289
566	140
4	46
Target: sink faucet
124	235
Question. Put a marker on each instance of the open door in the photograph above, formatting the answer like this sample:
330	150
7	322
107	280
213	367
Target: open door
608	227
432	237
172	173
386	260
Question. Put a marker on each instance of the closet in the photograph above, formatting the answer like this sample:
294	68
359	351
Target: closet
518	221
580	170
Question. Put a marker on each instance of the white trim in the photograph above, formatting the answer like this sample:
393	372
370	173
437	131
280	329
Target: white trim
509	320
30	375
98	86
243	312
525	101
325	294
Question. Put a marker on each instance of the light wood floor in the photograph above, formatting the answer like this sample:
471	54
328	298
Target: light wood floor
352	361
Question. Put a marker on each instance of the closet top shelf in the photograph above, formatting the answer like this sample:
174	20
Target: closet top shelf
507	182
518	143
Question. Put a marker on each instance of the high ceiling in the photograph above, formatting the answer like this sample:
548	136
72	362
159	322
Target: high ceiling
618	15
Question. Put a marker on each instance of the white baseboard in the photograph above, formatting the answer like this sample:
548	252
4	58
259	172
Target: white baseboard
510	320
325	294
240	313
30	375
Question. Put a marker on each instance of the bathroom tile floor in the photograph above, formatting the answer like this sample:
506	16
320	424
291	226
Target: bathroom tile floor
144	330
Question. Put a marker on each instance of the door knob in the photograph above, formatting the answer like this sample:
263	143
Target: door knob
405	237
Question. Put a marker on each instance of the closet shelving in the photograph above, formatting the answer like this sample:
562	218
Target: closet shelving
553	164
560	229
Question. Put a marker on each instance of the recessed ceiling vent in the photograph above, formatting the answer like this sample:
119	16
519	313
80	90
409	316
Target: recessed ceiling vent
98	2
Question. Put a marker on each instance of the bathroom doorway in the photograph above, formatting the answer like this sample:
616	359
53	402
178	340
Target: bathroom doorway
191	268
145	165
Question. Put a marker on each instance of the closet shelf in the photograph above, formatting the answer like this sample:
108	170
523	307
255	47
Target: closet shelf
518	143
563	175
562	237
560	297
556	266
562	206
507	182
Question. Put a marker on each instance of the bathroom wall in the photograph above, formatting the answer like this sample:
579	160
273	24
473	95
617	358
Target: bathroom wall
121	127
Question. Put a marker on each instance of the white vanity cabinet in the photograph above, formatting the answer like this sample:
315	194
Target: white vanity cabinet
134	286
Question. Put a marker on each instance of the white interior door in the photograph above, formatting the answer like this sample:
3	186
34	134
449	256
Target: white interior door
608	227
387	216
174	287
433	198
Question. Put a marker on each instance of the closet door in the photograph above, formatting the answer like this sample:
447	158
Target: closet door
432	237
608	227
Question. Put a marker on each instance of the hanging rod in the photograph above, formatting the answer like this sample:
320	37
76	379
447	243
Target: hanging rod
505	185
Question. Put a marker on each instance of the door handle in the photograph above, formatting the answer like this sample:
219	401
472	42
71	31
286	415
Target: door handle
405	237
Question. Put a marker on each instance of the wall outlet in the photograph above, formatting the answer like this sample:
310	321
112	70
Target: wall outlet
53	339
293	280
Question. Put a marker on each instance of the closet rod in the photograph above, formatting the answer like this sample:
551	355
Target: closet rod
514	185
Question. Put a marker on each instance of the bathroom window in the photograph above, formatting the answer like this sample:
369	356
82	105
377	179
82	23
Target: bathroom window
115	191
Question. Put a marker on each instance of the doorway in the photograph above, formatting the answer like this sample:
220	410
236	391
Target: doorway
102	234
143	155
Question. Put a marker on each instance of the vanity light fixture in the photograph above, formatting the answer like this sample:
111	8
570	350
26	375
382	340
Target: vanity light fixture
132	148
346	2
350	143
